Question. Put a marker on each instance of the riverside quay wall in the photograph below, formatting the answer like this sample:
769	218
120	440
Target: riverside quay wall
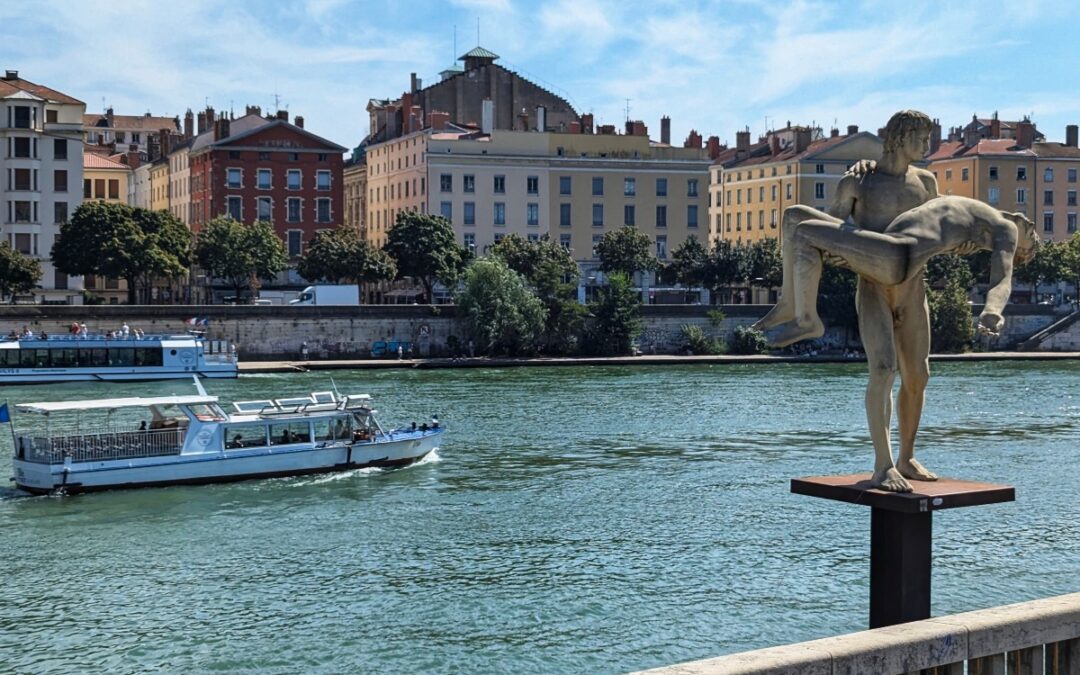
341	332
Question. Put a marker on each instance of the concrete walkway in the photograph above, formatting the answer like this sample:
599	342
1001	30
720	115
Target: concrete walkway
652	360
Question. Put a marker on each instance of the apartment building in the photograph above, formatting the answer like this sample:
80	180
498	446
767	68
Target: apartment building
119	132
179	177
41	169
107	180
1036	178
752	184
354	190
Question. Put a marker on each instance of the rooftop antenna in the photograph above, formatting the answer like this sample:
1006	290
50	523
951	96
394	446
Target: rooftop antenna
627	110
477	31
454	55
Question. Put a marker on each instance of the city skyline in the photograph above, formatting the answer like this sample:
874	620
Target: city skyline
713	67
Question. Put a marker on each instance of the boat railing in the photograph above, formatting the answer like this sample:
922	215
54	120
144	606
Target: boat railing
102	446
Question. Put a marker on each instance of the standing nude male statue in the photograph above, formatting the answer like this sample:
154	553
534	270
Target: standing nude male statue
894	318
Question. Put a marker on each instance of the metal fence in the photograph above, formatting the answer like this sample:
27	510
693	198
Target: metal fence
102	446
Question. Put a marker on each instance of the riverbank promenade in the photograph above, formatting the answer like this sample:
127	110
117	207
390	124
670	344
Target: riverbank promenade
644	360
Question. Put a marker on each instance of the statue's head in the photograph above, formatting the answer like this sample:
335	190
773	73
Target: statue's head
1027	239
907	126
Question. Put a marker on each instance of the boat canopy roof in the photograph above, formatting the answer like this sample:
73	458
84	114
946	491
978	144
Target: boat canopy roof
110	403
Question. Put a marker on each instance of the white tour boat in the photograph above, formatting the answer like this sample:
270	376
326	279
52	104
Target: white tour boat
190	439
69	358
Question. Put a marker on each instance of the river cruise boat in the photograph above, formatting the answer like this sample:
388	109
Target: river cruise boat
170	440
69	358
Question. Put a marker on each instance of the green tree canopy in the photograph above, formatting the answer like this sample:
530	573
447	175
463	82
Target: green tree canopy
764	266
504	316
240	254
616	315
18	273
726	266
689	262
951	324
338	256
1071	264
626	250
122	242
1046	266
423	247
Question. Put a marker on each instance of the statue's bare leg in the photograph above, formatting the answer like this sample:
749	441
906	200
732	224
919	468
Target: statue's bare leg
876	328
794	217
876	256
913	350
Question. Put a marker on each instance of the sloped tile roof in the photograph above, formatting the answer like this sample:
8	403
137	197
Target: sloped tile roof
95	161
8	87
479	53
135	122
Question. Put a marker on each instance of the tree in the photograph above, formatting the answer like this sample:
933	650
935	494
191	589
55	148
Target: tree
338	256
836	298
1046	266
764	265
504	316
689	262
726	266
549	269
626	250
240	254
951	323
423	247
1071	265
616	317
18	273
121	242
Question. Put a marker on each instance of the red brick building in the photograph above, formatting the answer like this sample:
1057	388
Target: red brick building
254	168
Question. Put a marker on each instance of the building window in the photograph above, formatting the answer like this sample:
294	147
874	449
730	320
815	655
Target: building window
761	193
596	239
60	212
661	187
773	192
787	191
691	190
772	219
749	195
114	188
499	185
532	214
628	214
1071	222
1021	173
469	214
446	210
446	182
738	222
264	156
60	150
964	174
597	186
86	189
661	246
819	190
993	195
564	240
993	173
468	183
564	215
233	178
499	237
322	180
1071	176
235	207
322	210
469	239
22	116
661	215
265	208
1021	195
534	236
564	185
598	215
532	185
1070	198
1048	175
295	243
20	147
629	187
500	213
294	179
1048	197
293	210
948	174
263	176
727	222
819	168
691	215
60	180
1048	222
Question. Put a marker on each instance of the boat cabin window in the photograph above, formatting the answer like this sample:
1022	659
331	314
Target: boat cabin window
292	432
206	413
121	357
245	437
167	417
333	429
80	357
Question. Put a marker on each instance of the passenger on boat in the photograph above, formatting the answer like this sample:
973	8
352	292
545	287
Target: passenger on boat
236	442
142	425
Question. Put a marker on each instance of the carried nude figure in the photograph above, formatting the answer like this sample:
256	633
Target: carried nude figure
899	223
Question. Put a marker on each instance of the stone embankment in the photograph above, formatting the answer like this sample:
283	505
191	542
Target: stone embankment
334	333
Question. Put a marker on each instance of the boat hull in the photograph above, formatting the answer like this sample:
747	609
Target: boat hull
222	467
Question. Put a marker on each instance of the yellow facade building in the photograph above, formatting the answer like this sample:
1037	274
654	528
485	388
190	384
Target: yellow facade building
159	184
105	179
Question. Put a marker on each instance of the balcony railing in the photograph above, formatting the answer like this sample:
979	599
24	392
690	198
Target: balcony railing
1042	636
101	446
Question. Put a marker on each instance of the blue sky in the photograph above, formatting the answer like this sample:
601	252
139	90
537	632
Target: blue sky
713	66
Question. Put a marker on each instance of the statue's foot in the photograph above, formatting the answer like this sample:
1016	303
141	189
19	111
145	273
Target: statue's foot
890	480
910	468
782	312
794	331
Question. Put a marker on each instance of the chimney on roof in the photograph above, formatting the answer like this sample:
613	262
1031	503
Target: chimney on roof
221	128
587	123
665	130
774	144
253	110
995	126
523	120
11	74
189	124
802	137
575	127
416	119
742	141
637	128
1025	133
437	120
414	83
487	116
1071	135
201	122
165	140
283	115
852	129
210	117
693	140
607	130
935	136
713	146
299	121
834	133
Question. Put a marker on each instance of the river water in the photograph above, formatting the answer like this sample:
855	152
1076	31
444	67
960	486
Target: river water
576	520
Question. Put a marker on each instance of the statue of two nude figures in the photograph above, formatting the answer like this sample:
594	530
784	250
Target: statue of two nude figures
886	221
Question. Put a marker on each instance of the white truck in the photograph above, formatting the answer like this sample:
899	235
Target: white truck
328	295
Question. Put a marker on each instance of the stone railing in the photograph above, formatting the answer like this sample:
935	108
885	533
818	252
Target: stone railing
1041	637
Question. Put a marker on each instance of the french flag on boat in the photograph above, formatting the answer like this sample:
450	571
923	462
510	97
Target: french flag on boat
194	322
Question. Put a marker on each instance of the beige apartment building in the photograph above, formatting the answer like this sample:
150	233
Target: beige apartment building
179	177
751	185
159	184
105	179
1038	179
355	193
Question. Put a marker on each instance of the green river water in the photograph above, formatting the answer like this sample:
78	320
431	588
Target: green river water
576	520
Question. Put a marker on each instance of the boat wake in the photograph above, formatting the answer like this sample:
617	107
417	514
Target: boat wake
13	493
